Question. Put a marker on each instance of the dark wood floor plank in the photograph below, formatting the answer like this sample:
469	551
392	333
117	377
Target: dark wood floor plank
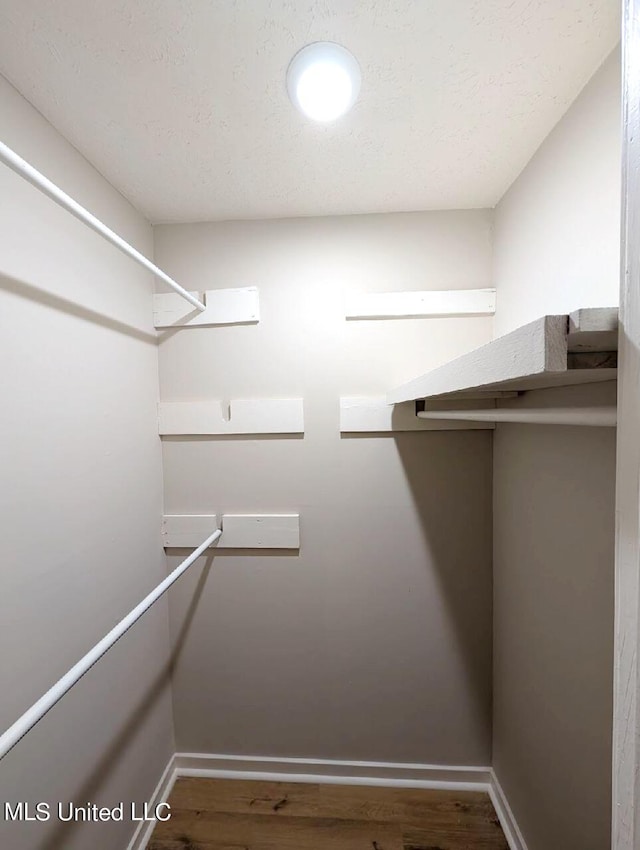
402	805
185	844
255	798
476	835
264	832
215	814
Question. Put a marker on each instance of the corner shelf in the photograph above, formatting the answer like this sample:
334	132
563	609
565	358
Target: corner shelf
553	351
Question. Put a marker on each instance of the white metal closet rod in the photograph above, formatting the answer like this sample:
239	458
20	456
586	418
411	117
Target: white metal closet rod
20	166
38	710
594	416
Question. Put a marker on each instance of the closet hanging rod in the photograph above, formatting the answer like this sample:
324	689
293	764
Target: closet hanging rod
603	416
11	159
38	710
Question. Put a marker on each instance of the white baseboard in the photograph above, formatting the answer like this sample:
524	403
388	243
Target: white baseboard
506	817
162	790
329	771
334	772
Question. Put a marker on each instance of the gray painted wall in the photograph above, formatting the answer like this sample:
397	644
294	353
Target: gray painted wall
556	248
81	496
375	641
557	229
553	599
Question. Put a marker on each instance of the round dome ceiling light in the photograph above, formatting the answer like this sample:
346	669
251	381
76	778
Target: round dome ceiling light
323	81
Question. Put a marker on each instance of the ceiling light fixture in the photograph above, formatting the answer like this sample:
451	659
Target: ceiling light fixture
323	81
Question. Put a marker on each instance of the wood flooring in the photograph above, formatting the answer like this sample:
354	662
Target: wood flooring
222	814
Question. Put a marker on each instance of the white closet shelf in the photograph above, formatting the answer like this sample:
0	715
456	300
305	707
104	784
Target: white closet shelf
553	351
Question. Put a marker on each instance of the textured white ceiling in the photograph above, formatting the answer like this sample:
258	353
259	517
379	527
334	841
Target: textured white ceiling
182	104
